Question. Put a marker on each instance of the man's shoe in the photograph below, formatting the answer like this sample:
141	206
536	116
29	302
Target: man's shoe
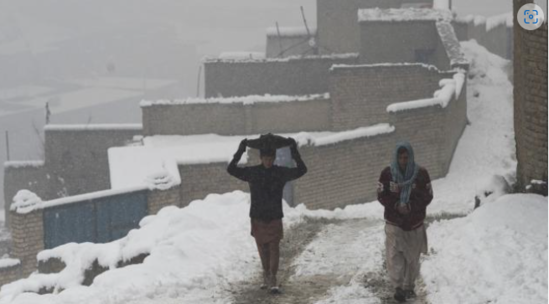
410	294
400	295
275	289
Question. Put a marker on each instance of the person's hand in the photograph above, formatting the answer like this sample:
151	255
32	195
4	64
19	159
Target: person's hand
293	143
394	187
242	146
403	208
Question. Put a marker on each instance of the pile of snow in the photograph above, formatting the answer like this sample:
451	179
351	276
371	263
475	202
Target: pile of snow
363	132
450	90
399	15
290	31
241	55
195	254
246	100
25	201
8	263
498	254
486	150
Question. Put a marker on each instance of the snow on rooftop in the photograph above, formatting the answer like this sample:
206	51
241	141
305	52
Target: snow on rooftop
24	164
286	31
489	22
241	55
93	127
398	15
450	89
132	166
285	59
247	100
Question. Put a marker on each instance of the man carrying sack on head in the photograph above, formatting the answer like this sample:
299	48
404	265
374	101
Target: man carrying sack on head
266	183
404	189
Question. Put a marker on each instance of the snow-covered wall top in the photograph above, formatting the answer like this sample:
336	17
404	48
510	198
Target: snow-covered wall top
290	31
450	89
241	55
451	44
247	100
490	22
24	164
399	15
361	66
93	127
286	59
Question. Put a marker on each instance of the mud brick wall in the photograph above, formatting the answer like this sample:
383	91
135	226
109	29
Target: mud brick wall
530	95
10	274
237	118
158	199
338	28
297	76
360	95
28	239
344	173
80	157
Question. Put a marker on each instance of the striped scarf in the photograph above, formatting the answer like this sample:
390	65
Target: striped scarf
406	180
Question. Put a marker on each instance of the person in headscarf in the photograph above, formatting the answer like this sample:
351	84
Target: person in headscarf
266	183
405	190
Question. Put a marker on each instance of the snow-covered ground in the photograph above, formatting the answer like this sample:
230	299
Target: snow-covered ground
485	155
497	254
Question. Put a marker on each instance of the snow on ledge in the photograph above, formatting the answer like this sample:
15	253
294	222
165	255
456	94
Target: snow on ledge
16	164
288	31
450	88
247	100
376	65
8	263
75	199
93	127
242	55
363	132
285	59
399	15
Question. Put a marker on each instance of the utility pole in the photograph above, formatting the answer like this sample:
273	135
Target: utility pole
279	40
198	81
7	145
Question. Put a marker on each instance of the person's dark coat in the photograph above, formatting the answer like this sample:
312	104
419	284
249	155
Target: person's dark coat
267	185
420	197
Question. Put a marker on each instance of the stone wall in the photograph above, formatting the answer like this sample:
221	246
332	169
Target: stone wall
530	95
337	23
361	94
237	118
289	76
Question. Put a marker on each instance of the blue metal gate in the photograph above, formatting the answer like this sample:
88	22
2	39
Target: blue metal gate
98	221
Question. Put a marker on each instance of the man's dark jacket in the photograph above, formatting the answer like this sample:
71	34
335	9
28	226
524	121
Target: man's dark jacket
421	196
267	185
